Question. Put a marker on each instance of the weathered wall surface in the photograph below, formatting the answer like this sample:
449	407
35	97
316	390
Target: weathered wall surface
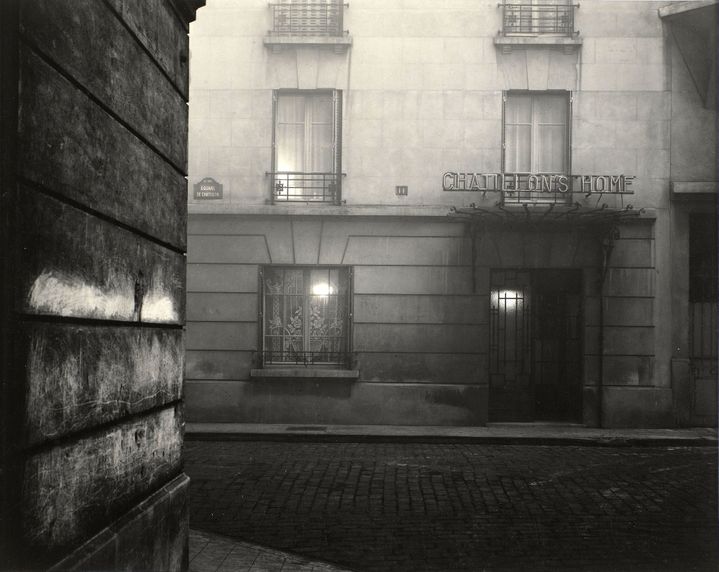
93	200
420	318
422	87
691	45
417	322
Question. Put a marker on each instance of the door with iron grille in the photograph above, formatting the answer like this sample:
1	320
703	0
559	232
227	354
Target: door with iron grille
703	315
535	345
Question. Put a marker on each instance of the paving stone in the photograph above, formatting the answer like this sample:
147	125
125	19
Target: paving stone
464	506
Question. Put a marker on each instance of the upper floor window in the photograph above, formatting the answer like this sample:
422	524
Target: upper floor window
538	17
305	315
307	146
307	17
536	141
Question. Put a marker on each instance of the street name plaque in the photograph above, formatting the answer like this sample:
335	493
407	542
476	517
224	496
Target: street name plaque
207	189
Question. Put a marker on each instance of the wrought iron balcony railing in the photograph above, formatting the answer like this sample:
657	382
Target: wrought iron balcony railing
544	17
295	186
305	358
307	17
523	188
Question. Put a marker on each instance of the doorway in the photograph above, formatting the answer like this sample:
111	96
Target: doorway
535	346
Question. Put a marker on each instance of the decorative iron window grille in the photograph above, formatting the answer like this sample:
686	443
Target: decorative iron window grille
306	359
305	315
307	17
538	17
293	186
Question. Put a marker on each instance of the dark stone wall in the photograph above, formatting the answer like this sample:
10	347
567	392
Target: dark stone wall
93	205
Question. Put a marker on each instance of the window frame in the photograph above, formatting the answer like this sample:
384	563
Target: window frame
331	182
534	196
345	361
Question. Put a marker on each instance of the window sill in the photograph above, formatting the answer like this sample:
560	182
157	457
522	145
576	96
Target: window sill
304	373
277	43
507	43
701	190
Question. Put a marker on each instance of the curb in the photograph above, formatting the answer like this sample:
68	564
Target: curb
319	437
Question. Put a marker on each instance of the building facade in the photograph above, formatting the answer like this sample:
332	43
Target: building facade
452	213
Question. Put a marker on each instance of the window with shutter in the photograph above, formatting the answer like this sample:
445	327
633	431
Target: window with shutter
307	146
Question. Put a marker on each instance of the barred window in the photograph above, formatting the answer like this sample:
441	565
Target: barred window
305	315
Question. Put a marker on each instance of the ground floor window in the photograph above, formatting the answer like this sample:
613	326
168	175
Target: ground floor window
305	315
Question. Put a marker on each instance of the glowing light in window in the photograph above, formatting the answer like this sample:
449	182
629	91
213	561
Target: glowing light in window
322	289
506	300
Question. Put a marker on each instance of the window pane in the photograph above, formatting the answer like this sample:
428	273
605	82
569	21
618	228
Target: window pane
291	109
518	149
320	159
518	109
320	109
290	147
290	133
550	149
550	109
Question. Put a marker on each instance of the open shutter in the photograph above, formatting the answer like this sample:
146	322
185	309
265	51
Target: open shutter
273	163
337	141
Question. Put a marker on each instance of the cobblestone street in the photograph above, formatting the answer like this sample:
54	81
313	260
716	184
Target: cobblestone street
409	506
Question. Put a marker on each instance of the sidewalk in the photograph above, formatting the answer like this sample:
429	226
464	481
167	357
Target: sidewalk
214	553
493	433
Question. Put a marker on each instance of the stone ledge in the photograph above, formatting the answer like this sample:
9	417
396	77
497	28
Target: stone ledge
303	373
508	43
688	190
338	43
436	211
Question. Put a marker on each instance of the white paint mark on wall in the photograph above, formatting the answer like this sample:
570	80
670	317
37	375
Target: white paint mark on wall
70	296
64	295
158	308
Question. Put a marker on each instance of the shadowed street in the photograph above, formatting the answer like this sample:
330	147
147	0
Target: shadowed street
409	506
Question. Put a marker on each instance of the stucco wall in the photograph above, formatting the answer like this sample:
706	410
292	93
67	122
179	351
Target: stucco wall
422	86
422	91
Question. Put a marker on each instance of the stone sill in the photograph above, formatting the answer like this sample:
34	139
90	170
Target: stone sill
508	43
338	43
304	373
433	211
699	190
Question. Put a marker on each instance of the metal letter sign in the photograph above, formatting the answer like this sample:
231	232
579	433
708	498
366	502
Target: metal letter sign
208	189
540	182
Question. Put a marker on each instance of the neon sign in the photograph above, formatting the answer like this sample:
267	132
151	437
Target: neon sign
537	182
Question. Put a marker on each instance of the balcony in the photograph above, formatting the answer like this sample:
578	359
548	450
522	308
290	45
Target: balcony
294	186
526	188
308	22
543	22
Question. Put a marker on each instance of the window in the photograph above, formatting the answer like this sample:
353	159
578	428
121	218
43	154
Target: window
307	142
305	315
536	141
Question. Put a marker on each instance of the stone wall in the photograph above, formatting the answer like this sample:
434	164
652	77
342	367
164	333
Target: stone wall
93	239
